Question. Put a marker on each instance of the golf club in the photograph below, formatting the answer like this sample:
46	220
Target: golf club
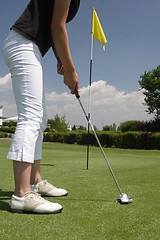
123	198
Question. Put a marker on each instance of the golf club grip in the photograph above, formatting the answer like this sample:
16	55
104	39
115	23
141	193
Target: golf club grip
76	93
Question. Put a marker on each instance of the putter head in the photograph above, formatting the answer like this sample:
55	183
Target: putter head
124	199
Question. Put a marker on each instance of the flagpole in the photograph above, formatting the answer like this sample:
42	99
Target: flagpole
89	100
98	34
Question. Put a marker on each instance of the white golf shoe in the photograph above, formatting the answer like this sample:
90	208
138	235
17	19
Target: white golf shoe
33	203
46	189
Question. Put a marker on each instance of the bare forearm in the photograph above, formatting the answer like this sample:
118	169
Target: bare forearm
61	43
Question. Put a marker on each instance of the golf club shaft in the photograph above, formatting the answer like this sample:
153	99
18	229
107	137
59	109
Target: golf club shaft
109	166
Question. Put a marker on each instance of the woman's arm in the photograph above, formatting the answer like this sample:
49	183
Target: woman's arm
61	43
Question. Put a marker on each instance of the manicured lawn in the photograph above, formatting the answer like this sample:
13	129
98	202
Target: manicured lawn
90	212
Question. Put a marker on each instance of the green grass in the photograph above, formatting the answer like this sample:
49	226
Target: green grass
90	212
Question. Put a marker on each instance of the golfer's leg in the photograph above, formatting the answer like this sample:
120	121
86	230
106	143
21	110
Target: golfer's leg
35	173
26	72
22	172
24	62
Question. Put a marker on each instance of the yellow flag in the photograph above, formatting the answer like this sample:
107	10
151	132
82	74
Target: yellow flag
97	29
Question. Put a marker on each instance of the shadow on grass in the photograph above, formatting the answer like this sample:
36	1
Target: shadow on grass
47	165
4	206
91	200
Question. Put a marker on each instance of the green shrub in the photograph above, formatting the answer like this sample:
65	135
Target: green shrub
4	135
53	137
8	129
70	138
130	140
129	125
106	138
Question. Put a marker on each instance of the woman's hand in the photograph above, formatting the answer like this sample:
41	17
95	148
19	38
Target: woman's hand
71	80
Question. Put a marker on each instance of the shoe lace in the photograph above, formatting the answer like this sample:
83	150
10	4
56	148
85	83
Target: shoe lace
36	195
47	183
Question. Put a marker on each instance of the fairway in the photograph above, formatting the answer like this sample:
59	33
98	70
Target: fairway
90	211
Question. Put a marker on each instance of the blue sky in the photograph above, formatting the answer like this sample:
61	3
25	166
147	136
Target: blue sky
132	30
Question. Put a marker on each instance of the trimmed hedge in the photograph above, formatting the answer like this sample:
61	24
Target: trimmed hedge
117	139
130	140
7	129
5	135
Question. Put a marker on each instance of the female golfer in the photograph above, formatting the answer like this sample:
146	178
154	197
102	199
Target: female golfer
41	26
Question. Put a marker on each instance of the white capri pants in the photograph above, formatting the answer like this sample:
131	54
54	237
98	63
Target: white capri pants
24	61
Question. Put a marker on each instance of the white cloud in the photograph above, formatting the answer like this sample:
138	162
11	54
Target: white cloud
108	105
5	82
